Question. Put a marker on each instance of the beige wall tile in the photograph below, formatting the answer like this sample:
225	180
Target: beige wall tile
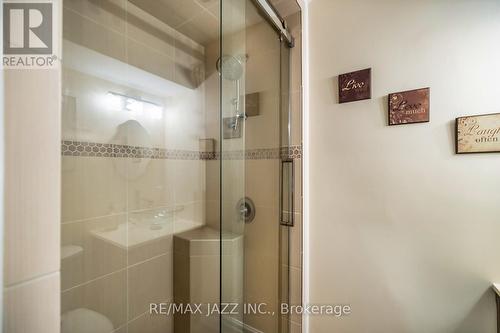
262	182
185	120
83	31
212	213
296	118
190	62
211	5
262	235
261	38
150	60
174	13
233	290
148	30
150	183
212	193
296	65
149	282
263	72
212	93
92	187
203	27
191	212
189	181
262	131
181	286
298	185
295	292
143	246
110	14
296	242
295	328
33	306
106	295
212	178
98	257
204	324
151	324
204	279
32	173
122	329
261	260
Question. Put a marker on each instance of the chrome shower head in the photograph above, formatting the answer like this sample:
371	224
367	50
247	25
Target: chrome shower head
230	67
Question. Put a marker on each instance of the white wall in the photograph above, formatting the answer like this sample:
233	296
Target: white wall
32	113
401	228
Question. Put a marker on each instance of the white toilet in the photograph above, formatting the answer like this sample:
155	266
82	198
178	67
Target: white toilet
85	321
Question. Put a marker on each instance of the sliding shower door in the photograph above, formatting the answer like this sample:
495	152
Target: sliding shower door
251	122
173	171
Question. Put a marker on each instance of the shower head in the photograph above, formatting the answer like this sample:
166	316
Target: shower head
230	67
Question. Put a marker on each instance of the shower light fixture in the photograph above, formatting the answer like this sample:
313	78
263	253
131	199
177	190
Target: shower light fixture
114	102
135	106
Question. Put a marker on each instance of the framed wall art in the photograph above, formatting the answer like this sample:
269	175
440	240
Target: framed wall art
478	134
355	86
409	107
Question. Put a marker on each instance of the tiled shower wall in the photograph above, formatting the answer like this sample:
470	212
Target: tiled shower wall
32	196
122	171
32	199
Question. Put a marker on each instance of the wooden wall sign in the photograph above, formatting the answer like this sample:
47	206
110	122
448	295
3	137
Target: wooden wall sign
478	134
408	107
355	86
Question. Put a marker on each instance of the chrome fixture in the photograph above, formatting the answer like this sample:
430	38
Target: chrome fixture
231	68
133	104
246	209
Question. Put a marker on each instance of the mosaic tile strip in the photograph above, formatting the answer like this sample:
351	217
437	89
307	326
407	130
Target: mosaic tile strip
94	149
292	152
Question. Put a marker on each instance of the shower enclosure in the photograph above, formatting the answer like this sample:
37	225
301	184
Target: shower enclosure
181	166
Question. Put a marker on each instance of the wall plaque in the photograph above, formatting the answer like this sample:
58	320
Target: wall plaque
408	107
478	134
355	86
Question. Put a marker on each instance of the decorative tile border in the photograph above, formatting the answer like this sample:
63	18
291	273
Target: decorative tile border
94	149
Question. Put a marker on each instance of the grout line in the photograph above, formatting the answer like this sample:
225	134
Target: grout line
125	34
141	210
151	259
92	20
119	270
23	283
205	9
88	219
94	280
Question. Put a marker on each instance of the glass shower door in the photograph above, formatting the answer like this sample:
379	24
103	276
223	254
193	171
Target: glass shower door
232	70
250	74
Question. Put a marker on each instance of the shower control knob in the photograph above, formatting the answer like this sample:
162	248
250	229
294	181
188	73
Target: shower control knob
246	209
